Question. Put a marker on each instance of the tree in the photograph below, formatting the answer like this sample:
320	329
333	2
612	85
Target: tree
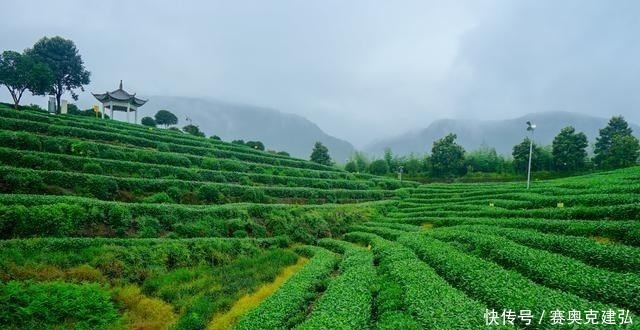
166	118
447	157
569	150
616	147
351	167
20	72
193	130
62	57
255	145
148	121
379	167
521	157
485	160
320	154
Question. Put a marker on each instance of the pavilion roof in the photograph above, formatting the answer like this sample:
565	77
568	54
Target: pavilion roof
120	95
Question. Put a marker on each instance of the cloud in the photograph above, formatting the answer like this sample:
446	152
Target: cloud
360	69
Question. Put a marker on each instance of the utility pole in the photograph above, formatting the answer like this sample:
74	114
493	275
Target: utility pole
530	127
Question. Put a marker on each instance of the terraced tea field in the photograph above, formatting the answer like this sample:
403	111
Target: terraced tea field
106	225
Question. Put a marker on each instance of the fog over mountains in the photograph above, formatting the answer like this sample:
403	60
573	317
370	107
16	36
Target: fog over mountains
230	121
500	134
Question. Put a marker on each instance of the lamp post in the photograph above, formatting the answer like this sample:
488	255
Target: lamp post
530	127
400	169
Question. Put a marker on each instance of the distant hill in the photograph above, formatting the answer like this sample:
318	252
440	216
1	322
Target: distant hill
500	134
277	130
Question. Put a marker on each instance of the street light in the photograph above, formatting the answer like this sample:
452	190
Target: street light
530	127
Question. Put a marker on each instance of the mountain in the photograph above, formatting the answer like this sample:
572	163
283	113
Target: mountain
500	134
277	130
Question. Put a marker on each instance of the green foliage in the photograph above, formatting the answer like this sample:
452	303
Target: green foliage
485	160
55	304
540	158
257	145
346	302
193	130
320	155
447	157
616	147
20	72
66	64
148	121
285	308
351	167
166	118
568	151
379	167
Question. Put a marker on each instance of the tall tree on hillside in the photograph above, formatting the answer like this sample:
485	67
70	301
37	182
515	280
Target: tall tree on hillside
379	167
62	57
20	72
320	154
616	147
166	118
447	157
568	150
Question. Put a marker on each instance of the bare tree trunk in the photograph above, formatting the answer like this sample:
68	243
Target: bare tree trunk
58	97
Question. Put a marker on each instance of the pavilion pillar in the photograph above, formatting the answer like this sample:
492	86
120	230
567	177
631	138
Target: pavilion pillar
128	121
102	110
135	116
112	111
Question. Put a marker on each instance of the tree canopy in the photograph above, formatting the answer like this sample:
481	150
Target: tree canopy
148	121
569	150
65	62
20	72
447	157
166	118
379	167
320	154
616	147
193	130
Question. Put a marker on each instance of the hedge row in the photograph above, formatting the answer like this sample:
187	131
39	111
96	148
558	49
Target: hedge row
489	283
550	269
48	161
31	215
617	257
133	130
425	295
101	135
285	308
19	180
627	232
346	304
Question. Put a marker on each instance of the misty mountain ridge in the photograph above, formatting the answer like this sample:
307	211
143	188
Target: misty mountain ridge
233	121
499	134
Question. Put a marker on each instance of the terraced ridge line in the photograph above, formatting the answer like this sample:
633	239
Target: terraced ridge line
616	257
284	307
552	270
624	231
249	301
346	304
491	284
414	296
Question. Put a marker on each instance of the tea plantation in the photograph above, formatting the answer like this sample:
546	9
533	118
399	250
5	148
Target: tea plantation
107	225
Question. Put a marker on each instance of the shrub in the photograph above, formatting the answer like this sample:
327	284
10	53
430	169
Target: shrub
159	198
148	226
210	194
93	168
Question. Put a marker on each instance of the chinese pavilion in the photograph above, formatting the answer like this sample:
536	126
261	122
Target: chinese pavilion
120	100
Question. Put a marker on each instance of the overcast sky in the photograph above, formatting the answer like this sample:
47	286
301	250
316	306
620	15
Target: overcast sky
361	70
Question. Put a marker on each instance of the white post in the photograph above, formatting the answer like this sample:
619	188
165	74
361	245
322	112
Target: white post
135	116
128	114
530	154
102	110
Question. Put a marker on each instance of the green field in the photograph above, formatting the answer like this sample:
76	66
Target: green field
107	225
